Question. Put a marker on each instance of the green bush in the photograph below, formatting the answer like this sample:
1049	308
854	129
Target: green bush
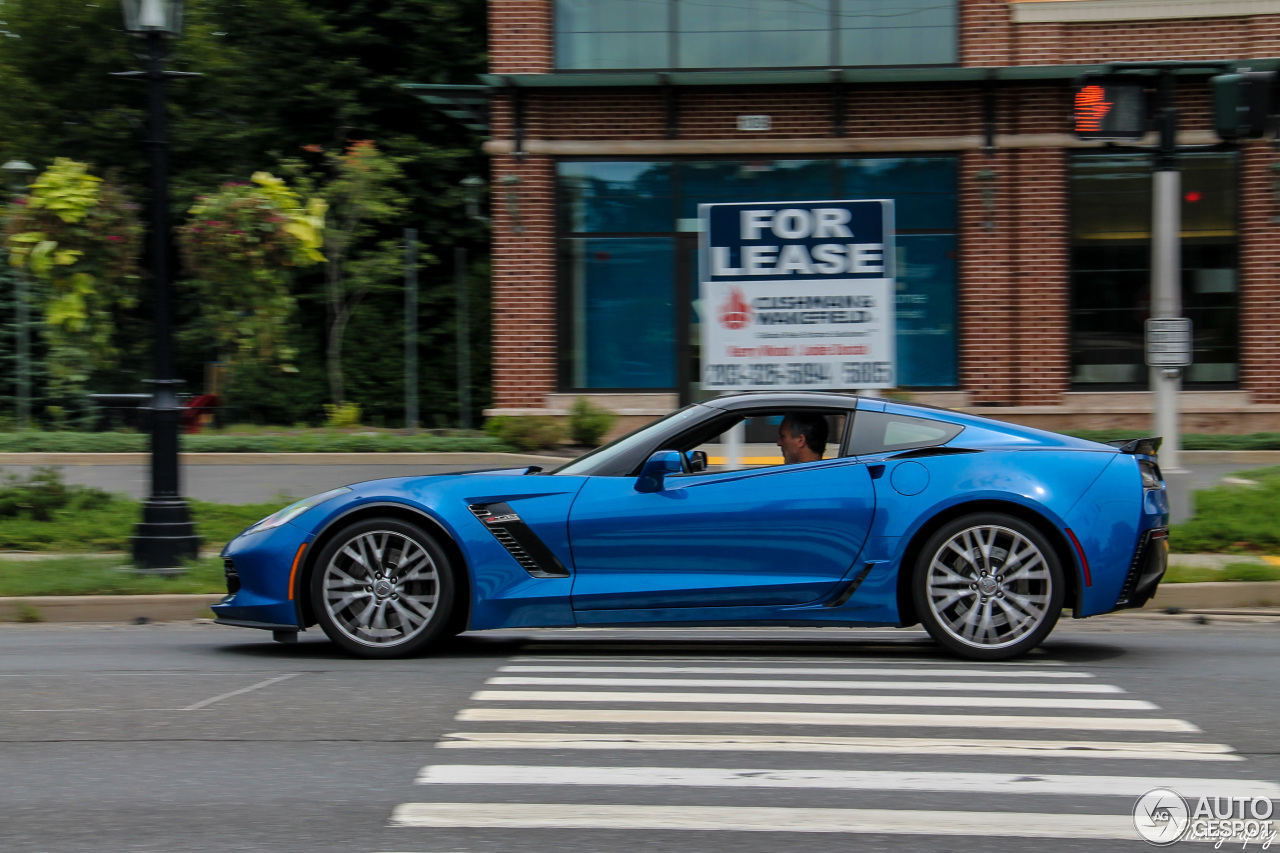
342	415
525	433
43	494
589	424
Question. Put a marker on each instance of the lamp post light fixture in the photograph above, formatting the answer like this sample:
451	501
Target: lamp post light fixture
20	173
165	538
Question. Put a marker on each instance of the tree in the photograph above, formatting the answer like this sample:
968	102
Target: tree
80	235
240	246
361	194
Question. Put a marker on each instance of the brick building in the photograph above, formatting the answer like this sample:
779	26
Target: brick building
1023	252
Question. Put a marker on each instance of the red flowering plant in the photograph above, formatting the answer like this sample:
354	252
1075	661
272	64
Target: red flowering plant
80	236
240	246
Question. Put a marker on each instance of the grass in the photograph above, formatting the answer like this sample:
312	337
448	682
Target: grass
107	524
1234	519
102	576
1231	572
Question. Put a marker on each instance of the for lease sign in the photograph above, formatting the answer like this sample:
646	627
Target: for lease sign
797	295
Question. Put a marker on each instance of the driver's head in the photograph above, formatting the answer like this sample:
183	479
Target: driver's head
802	437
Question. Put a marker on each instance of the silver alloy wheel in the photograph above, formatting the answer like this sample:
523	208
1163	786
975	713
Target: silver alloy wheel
989	586
380	588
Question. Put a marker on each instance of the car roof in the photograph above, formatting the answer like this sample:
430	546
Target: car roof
783	399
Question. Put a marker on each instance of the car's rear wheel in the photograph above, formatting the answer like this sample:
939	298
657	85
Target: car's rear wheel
988	586
382	588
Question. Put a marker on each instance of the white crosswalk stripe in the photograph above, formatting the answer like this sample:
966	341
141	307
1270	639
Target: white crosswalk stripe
943	686
543	715
1145	750
610	697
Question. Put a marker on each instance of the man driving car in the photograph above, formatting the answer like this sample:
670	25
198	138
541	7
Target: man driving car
802	437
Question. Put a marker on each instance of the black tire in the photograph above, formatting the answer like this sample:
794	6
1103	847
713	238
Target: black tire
383	588
988	586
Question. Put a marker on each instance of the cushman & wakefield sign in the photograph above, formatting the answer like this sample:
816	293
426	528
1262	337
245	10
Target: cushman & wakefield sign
797	295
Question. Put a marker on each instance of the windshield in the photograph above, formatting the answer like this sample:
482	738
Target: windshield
602	456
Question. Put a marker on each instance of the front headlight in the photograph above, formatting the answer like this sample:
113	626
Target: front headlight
1151	478
292	511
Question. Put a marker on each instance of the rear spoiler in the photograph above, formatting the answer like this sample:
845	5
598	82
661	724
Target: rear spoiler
1142	446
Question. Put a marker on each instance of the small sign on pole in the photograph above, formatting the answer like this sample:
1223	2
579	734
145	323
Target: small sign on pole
798	295
1168	341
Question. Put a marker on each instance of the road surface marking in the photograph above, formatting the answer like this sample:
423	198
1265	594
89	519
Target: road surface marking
844	745
797	718
942	686
261	684
843	780
754	819
813	699
880	672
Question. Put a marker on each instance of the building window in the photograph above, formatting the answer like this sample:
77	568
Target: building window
628	242
622	295
657	34
1111	268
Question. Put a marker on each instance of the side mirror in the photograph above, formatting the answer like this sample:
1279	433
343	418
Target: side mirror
697	461
657	468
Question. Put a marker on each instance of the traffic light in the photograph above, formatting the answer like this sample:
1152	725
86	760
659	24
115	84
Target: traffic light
1243	103
1110	107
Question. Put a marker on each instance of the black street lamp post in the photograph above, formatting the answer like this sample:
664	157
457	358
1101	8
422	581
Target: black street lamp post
166	536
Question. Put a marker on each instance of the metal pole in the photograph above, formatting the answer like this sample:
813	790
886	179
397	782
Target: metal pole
411	330
1166	295
464	338
24	350
165	537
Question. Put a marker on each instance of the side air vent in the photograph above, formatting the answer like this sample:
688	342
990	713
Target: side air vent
521	543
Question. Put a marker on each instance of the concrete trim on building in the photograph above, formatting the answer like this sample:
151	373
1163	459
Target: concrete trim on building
832	145
1096	11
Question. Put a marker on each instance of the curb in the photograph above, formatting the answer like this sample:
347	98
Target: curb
1188	597
1216	595
107	608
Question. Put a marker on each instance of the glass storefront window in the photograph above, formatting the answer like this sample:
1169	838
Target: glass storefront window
627	263
1111	267
611	196
656	34
622	298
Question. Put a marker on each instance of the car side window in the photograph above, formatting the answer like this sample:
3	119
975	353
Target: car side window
879	432
758	441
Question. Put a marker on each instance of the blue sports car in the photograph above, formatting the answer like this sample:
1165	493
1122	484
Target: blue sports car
752	509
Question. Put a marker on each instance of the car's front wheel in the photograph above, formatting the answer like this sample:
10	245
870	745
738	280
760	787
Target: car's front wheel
988	586
382	588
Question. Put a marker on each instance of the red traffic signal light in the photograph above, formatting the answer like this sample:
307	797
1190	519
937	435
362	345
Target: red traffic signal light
1113	107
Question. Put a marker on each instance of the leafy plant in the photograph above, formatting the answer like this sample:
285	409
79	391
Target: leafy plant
238	245
43	494
81	237
589	424
525	433
342	415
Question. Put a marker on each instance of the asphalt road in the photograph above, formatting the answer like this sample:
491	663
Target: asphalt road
280	483
204	738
